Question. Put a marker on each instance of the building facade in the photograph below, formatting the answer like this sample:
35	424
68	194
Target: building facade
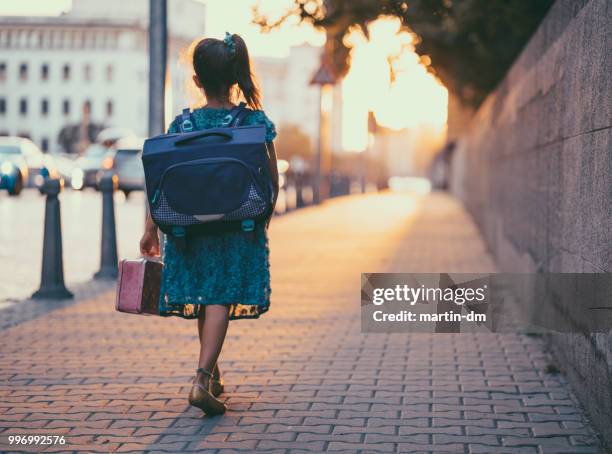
290	99
96	55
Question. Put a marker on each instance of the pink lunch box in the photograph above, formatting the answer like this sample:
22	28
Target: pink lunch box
138	286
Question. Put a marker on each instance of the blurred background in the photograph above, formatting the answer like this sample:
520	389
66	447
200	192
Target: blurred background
365	96
350	86
74	77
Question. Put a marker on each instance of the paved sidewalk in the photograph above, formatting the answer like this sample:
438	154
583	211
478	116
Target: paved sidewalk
303	378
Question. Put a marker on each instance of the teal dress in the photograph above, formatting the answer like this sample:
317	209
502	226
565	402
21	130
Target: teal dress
230	268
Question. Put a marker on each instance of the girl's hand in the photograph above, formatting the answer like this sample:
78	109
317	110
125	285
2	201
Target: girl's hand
149	244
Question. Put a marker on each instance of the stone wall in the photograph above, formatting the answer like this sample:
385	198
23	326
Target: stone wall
534	169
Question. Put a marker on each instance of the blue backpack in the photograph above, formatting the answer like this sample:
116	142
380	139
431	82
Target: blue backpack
208	181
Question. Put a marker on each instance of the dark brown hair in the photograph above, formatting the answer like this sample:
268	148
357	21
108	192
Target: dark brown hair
221	65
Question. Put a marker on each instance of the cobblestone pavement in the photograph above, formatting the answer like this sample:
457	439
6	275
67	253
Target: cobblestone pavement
303	378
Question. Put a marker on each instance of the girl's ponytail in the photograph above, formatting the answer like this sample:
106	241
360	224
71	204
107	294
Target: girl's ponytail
243	75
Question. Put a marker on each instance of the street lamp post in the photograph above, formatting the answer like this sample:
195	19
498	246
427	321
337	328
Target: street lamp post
316	190
325	78
157	64
158	54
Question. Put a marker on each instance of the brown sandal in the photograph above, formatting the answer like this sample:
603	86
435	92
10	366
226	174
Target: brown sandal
203	398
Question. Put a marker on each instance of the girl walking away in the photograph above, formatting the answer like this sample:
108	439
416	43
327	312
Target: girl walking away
219	276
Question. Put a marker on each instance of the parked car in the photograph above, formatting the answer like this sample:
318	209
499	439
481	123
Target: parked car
99	156
86	168
13	170
127	165
23	164
65	164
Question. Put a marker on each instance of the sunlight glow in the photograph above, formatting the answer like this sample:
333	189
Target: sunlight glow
236	17
408	96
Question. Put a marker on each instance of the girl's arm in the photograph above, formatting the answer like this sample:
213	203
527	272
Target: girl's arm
149	244
273	173
149	224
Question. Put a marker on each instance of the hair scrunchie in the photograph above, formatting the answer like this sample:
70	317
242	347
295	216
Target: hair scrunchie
230	43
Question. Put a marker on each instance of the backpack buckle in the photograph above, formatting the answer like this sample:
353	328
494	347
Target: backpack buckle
227	120
178	232
247	225
187	126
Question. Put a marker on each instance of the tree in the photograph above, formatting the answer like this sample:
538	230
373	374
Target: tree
292	141
471	43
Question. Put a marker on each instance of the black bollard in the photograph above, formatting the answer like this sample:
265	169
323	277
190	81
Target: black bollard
52	274
108	256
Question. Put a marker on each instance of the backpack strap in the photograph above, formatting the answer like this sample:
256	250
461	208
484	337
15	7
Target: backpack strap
236	116
180	237
241	114
185	120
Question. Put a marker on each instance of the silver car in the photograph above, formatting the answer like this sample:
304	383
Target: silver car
23	164
97	157
127	165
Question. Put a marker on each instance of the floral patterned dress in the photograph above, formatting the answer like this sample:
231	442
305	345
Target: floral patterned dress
230	268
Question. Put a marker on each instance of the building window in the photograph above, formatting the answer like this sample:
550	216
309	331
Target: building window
23	106
66	107
44	107
109	108
87	72
2	71
2	106
44	144
109	73
23	71
44	71
66	72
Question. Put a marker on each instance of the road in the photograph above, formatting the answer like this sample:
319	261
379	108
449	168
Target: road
21	237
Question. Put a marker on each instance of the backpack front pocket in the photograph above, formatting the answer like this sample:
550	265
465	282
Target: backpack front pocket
206	190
